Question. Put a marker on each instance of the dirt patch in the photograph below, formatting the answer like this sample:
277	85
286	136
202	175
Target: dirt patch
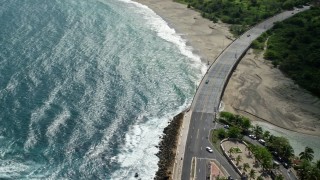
263	93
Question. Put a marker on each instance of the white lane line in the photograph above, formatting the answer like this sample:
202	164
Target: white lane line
198	134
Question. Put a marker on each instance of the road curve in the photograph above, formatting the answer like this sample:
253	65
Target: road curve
207	100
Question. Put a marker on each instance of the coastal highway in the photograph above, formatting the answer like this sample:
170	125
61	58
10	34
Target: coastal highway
207	99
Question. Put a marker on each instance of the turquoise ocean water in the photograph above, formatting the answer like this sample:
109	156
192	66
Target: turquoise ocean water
86	88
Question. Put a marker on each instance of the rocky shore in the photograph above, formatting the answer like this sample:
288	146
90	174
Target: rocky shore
167	147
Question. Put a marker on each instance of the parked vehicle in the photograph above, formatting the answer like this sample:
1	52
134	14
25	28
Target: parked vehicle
252	136
261	141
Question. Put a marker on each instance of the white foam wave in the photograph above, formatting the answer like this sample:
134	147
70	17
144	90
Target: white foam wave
10	168
138	153
167	33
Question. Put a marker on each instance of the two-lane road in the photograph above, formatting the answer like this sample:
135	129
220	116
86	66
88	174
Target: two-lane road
207	100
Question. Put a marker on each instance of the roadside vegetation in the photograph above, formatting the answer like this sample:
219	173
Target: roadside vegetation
241	13
294	46
275	147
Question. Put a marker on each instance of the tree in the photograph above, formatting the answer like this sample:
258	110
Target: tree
246	123
257	130
260	178
251	149
252	174
238	159
315	172
281	145
318	164
222	133
266	135
264	156
279	177
231	150
307	154
304	169
237	119
246	166
234	132
227	116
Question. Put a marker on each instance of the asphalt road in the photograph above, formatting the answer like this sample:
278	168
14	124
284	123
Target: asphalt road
207	100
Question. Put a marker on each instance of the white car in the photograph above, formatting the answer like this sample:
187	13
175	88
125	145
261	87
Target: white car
209	149
252	136
262	141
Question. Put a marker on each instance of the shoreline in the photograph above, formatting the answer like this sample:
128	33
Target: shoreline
168	146
207	40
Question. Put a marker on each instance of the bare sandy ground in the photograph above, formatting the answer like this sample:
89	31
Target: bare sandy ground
208	39
263	93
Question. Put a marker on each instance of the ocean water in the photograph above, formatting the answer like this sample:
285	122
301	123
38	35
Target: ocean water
86	88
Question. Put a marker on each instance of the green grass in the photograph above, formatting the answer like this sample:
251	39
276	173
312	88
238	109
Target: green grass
215	140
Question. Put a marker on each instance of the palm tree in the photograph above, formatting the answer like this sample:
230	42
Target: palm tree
307	154
318	164
252	173
231	150
237	119
238	159
315	172
246	123
251	149
266	135
279	177
287	152
304	169
257	131
246	166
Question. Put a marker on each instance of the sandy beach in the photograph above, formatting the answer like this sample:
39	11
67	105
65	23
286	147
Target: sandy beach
206	38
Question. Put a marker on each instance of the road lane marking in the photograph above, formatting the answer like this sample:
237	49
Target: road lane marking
198	134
